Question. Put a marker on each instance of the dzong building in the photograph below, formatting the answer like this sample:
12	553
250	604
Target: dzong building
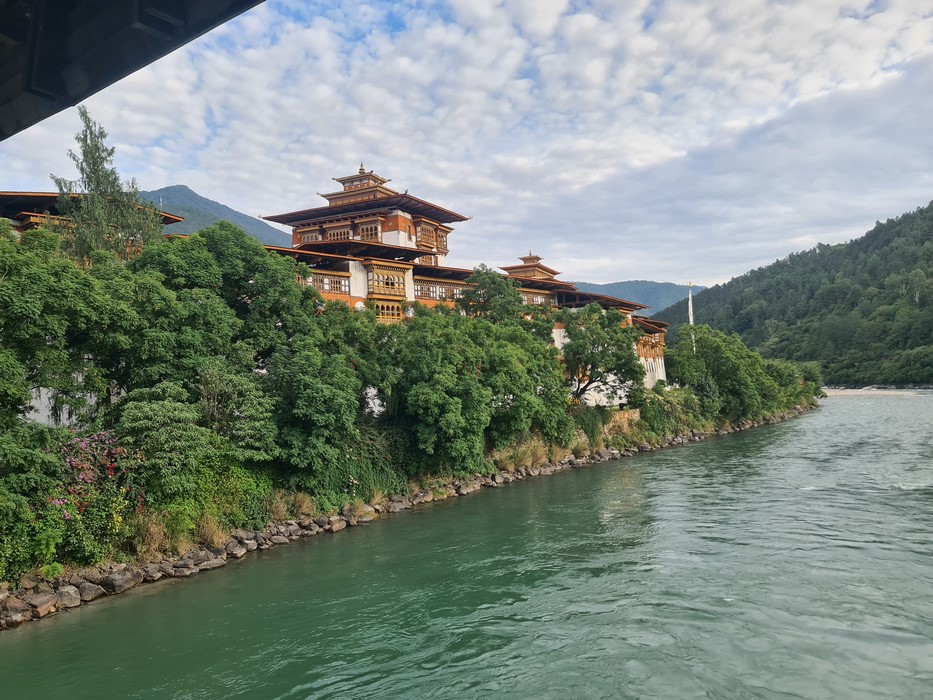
370	243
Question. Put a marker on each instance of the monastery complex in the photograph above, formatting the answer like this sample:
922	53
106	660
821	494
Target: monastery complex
371	243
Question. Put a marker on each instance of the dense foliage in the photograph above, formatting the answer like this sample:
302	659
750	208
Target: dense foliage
863	309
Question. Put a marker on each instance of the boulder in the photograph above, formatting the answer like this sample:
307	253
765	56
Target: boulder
239	551
68	597
250	545
322	521
90	591
93	575
16	612
119	581
28	581
212	564
184	571
338	525
366	514
279	539
41	603
200	556
151	573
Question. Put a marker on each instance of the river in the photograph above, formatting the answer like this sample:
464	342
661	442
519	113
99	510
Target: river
791	561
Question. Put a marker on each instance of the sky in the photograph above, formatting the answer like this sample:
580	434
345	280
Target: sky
665	140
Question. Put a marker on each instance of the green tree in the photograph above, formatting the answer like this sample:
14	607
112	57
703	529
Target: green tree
440	399
723	370
52	318
104	213
491	296
599	352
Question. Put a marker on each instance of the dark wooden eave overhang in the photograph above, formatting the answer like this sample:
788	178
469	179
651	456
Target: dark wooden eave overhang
650	325
16	205
365	249
575	299
455	274
313	258
405	202
542	283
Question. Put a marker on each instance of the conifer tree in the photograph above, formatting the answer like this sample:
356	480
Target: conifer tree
102	212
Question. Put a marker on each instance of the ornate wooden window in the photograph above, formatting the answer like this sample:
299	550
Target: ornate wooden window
330	283
370	231
386	282
389	311
427	235
537	299
339	234
309	234
425	290
437	289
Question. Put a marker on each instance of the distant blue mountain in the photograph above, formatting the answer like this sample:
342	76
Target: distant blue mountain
656	295
200	212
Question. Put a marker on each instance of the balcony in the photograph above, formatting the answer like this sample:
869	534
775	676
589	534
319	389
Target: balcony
426	237
389	312
386	284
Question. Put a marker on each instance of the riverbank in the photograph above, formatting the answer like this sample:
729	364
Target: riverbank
36	598
873	390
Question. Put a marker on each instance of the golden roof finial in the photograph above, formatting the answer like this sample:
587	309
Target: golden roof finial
362	169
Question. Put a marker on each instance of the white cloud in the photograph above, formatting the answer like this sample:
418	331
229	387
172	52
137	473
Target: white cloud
657	139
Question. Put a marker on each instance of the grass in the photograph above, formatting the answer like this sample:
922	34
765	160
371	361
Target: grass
210	531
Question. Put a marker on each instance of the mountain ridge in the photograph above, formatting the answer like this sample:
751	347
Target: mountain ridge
862	309
200	212
655	295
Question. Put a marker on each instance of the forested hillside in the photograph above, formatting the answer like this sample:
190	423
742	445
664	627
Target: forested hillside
862	309
200	212
655	295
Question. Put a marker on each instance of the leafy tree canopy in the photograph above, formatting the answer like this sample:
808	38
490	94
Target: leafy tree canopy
599	352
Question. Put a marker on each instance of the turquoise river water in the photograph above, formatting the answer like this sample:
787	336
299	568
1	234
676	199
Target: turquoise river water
792	561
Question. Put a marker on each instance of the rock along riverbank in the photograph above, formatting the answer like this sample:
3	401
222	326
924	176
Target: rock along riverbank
35	598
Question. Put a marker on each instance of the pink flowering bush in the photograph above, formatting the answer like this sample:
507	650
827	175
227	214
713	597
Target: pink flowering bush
85	518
